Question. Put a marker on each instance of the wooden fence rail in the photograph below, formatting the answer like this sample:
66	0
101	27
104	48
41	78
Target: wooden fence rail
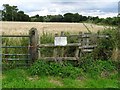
82	46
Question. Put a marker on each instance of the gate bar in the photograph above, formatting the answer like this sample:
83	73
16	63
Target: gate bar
15	36
15	59
14	46
16	54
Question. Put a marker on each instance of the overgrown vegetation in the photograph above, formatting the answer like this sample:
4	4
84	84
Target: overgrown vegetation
55	69
109	48
97	69
87	66
97	74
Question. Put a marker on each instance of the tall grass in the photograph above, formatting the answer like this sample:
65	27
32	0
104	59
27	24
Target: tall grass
14	42
110	47
46	38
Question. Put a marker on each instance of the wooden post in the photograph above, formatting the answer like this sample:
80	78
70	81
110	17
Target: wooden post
77	48
39	52
62	50
80	41
80	38
55	49
87	39
33	50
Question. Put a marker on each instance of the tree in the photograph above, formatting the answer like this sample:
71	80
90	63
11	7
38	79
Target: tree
9	12
68	17
76	17
41	19
20	15
80	18
35	18
84	18
56	18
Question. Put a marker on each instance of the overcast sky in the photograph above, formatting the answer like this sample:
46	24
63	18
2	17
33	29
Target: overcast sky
101	8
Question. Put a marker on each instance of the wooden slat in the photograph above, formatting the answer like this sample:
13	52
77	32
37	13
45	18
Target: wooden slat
87	50
88	47
88	36
77	53
58	58
103	36
52	45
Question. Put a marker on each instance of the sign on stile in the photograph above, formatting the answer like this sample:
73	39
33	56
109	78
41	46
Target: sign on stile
60	41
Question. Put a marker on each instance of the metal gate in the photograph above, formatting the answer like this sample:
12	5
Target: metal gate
28	56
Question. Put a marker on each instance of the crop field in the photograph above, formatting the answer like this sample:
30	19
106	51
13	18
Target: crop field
23	27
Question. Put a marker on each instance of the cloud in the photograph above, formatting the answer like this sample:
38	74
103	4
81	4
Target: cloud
102	8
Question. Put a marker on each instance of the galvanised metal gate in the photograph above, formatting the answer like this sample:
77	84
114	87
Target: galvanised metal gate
31	48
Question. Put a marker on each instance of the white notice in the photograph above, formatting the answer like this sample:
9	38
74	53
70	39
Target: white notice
60	41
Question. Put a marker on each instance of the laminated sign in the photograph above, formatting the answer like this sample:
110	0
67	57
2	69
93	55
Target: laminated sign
60	41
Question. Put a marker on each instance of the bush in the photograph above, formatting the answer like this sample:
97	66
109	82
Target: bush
55	69
107	46
94	68
87	66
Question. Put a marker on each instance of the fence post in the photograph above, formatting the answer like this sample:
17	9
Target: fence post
55	49
77	48
63	49
80	38
33	50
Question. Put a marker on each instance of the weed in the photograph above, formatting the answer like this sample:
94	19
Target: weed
55	69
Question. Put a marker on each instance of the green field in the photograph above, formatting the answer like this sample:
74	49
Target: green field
19	78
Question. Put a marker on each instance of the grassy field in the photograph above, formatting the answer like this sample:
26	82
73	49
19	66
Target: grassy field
23	27
20	78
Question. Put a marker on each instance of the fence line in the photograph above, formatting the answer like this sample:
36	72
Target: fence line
85	44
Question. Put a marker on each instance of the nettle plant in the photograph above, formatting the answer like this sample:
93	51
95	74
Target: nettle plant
55	69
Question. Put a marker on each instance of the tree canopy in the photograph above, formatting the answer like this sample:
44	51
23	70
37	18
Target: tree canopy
12	13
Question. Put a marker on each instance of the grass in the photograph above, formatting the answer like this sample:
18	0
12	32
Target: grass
20	78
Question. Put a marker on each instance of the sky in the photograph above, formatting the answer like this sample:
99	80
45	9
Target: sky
101	8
